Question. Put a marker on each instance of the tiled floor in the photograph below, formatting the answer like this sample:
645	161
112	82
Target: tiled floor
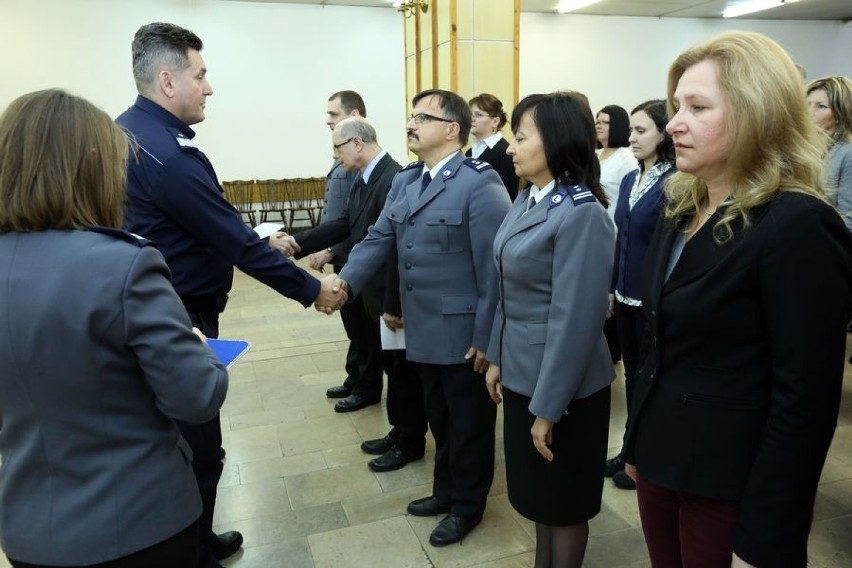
296	483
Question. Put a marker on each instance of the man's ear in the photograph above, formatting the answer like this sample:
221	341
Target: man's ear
355	112
165	82
453	131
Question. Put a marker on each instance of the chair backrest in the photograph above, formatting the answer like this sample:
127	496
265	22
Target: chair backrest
240	193
315	189
272	193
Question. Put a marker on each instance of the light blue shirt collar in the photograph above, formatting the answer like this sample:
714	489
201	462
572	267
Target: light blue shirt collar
372	165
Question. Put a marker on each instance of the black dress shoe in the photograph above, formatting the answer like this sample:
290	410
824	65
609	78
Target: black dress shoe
338	392
226	544
354	402
427	507
614	465
395	458
623	481
452	529
378	447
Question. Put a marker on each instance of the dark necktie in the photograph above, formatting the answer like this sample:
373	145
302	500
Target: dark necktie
427	179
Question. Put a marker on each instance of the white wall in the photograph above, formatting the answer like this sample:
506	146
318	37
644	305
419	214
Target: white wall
272	67
625	61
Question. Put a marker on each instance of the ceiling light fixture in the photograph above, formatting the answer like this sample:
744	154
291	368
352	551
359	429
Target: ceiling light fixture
409	7
749	6
571	5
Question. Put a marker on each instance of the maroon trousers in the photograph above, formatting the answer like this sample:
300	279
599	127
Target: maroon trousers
683	530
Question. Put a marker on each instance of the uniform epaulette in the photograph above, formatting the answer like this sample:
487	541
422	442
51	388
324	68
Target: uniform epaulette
477	165
581	194
411	166
126	236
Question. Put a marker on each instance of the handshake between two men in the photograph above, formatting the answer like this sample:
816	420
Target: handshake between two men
334	292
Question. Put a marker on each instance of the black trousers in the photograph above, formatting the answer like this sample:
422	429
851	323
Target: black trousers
405	406
363	358
406	412
610	329
462	417
631	325
205	440
178	551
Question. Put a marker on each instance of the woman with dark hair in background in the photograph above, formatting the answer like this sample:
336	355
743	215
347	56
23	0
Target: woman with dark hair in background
612	130
489	144
98	356
553	254
640	201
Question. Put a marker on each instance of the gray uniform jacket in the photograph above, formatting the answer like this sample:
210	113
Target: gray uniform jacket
555	265
338	184
98	357
443	239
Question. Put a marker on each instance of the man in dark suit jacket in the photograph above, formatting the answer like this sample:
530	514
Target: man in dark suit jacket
357	149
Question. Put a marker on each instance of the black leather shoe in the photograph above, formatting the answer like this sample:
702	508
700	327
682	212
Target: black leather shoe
427	507
452	529
378	447
623	481
226	544
614	465
395	458
354	402
338	392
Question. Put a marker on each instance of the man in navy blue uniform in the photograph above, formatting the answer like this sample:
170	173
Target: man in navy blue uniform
174	199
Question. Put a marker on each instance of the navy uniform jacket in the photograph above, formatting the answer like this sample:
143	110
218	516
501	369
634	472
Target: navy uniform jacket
738	395
174	199
98	359
444	240
554	278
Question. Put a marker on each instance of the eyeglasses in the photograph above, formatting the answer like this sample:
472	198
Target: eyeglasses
422	117
337	146
482	115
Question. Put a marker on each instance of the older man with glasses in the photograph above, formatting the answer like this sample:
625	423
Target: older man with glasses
440	218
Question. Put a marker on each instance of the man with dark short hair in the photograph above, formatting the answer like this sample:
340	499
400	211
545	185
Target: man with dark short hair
174	199
440	218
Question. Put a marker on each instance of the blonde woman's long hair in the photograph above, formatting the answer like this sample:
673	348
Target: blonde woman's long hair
62	164
773	143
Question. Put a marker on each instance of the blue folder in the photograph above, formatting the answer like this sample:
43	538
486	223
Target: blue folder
228	350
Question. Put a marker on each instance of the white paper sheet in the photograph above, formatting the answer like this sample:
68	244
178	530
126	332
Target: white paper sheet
391	338
265	229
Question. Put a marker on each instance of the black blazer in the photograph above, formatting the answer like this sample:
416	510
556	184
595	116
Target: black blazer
738	393
361	211
502	164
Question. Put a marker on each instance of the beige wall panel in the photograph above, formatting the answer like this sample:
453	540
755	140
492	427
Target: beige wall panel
494	19
465	69
425	28
493	71
442	8
410	80
410	43
426	79
445	66
464	18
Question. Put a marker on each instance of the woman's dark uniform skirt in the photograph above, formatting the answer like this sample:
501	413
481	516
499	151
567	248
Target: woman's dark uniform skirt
567	490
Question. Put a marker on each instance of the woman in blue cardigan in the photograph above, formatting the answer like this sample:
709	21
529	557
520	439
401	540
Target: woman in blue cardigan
640	200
